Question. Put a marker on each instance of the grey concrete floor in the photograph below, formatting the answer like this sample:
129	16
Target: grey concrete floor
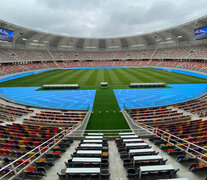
118	172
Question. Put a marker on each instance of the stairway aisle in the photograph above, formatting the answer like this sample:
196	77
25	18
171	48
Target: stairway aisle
118	171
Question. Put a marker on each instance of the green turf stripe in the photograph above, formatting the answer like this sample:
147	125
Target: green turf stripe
171	77
78	78
122	77
130	77
108	76
73	78
141	75
114	78
36	79
163	77
66	75
157	77
86	78
187	77
100	77
62	77
92	78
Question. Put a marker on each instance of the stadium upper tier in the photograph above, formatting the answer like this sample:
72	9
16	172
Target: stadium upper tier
181	35
178	53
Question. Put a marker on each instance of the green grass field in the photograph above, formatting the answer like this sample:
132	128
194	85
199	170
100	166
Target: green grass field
106	113
93	77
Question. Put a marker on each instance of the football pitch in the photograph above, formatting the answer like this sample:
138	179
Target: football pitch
106	112
93	77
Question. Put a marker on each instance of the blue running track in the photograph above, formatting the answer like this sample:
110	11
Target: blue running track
21	75
103	67
66	99
184	72
139	98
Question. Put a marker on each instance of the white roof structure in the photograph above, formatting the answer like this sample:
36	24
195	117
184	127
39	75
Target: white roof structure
181	35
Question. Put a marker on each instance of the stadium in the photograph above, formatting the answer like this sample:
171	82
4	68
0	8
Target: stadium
128	107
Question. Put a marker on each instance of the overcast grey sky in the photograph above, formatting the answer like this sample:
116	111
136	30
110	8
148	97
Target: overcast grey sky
100	18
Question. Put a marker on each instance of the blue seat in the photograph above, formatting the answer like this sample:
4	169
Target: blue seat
28	148
180	158
16	141
7	159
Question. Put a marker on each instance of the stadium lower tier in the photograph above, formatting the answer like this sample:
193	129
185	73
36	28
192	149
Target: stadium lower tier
10	68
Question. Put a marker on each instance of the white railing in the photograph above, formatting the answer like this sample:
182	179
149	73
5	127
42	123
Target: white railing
81	129
36	154
108	133
180	143
134	126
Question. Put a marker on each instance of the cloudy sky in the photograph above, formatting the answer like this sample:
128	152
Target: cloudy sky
100	18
